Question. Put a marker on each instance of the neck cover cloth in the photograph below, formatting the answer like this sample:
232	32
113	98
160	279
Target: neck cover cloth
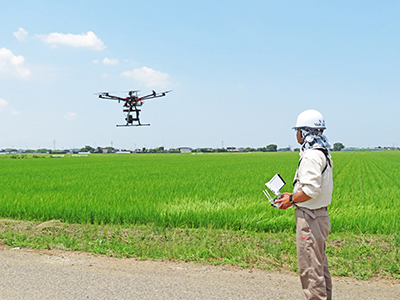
313	138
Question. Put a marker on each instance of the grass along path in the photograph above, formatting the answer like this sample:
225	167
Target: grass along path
360	256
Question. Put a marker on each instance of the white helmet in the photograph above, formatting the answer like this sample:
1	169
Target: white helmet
310	119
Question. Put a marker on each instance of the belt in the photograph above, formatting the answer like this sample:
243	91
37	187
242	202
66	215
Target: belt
309	211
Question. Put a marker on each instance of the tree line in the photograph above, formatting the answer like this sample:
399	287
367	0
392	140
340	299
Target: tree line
269	148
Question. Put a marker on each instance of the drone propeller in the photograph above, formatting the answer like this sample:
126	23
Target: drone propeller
132	92
164	93
103	93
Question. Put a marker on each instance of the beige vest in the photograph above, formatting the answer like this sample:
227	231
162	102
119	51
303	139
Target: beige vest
312	181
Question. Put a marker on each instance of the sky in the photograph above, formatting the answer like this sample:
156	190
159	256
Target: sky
240	72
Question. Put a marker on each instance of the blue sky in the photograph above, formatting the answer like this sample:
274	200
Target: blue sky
240	71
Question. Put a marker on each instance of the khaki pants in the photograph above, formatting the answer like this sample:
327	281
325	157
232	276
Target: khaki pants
313	227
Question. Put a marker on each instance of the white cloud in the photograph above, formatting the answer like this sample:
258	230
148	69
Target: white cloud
3	104
12	64
14	112
84	40
149	77
21	34
95	61
4	107
108	61
70	116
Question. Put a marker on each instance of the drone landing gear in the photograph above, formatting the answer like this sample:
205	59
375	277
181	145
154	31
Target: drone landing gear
128	125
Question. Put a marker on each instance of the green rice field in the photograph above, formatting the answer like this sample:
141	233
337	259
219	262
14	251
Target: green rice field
195	191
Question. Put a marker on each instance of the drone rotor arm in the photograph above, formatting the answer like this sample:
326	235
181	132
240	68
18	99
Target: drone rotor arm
154	95
111	97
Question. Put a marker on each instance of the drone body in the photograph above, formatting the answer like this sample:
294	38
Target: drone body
131	104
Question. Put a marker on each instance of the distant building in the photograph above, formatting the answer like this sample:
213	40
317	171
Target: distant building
186	149
240	149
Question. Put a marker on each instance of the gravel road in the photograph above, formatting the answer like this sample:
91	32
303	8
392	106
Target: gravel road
57	274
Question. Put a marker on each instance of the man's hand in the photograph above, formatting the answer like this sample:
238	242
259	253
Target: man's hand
284	201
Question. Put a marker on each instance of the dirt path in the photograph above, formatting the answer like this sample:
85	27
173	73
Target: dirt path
56	274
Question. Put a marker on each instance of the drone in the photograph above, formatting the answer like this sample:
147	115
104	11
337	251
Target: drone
131	104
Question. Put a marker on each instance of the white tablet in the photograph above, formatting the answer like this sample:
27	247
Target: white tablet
275	184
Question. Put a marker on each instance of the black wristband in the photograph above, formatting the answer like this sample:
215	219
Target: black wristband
291	198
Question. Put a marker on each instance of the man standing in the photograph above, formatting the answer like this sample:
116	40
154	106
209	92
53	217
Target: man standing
312	193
